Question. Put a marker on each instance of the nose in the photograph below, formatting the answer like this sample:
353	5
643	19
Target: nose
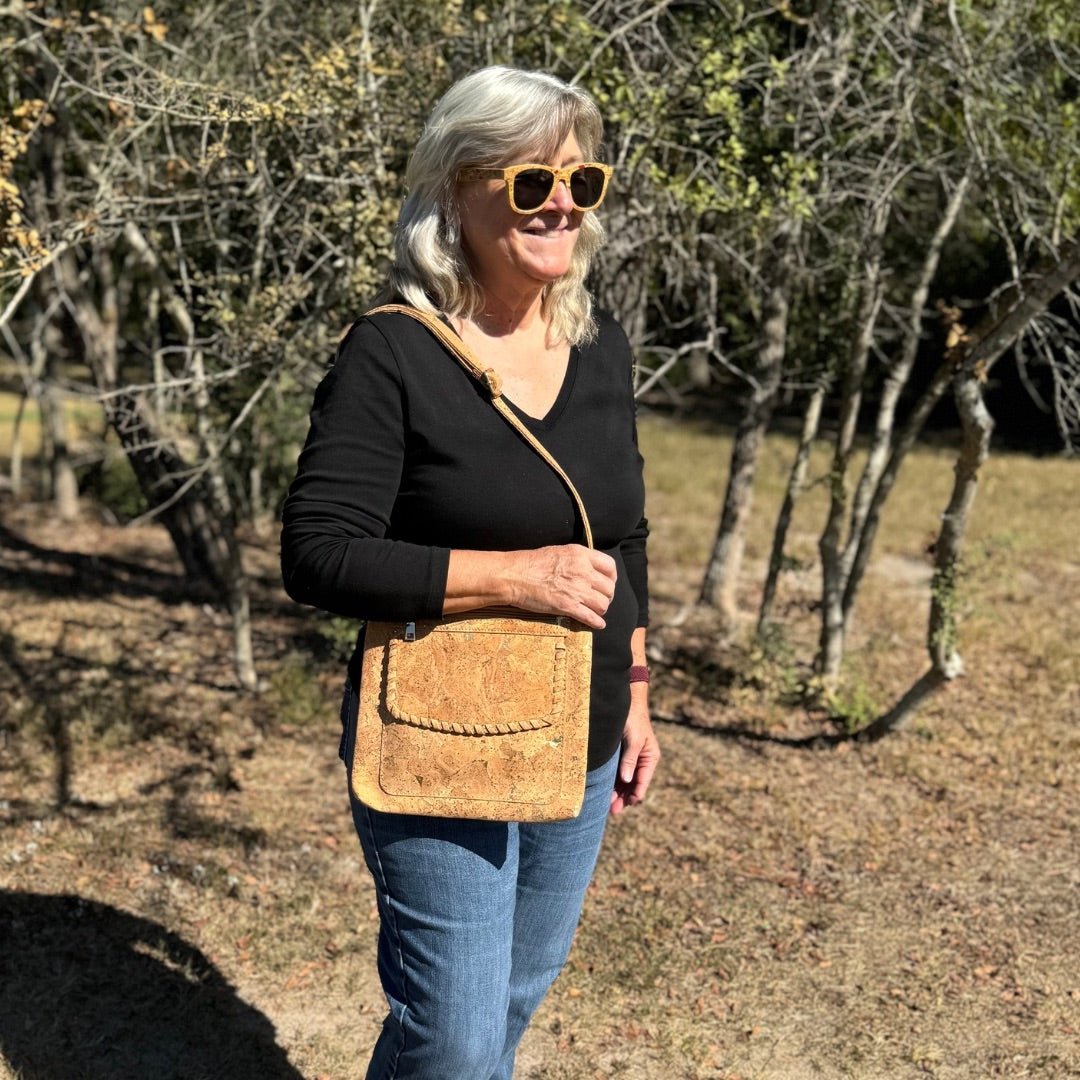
560	199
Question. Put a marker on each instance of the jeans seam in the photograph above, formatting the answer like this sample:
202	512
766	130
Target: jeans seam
390	917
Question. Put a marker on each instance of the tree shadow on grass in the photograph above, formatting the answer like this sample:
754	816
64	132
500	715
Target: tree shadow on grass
741	733
89	992
63	680
712	675
73	573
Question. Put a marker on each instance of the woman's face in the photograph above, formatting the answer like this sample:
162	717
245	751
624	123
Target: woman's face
517	252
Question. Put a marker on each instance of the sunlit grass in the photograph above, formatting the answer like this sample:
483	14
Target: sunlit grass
1024	505
83	418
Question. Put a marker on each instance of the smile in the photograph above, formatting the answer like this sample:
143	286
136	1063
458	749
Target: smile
547	230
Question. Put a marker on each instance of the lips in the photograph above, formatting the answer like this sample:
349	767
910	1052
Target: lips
539	229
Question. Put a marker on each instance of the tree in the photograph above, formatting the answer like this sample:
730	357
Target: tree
961	126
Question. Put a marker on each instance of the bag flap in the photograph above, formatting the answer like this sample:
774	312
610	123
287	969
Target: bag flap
478	676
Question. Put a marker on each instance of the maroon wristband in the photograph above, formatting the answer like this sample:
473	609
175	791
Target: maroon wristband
639	673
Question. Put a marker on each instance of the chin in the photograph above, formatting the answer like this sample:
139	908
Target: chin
550	269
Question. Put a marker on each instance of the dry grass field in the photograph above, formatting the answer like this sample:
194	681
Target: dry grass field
182	898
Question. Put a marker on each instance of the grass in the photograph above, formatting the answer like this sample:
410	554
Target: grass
83	417
197	906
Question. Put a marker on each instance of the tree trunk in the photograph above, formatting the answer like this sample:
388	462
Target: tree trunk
232	565
942	636
831	644
15	474
882	445
28	381
228	561
795	484
721	580
63	483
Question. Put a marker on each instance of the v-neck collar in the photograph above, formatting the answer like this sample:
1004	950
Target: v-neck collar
551	417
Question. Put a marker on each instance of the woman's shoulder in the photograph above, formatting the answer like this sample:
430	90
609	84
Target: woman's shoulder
366	356
610	340
387	324
393	346
381	339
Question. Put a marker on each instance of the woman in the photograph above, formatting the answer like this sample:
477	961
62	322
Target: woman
414	499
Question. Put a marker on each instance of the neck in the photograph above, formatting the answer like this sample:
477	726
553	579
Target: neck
507	311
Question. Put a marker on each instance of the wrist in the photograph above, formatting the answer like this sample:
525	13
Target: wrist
639	673
505	577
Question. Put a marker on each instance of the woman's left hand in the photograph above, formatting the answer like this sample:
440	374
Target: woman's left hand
639	758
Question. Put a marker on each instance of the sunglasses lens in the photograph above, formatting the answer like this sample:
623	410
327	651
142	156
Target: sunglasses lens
587	187
532	188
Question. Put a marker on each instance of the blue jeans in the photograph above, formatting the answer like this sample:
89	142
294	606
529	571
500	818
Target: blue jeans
476	920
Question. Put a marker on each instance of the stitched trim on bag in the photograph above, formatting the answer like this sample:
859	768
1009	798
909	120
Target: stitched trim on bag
453	727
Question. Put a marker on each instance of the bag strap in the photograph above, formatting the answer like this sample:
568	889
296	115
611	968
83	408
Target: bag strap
489	379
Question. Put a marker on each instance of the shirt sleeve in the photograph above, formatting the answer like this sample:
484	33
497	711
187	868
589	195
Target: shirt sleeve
636	562
335	550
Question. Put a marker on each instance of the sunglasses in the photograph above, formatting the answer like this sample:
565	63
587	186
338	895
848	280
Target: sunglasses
529	187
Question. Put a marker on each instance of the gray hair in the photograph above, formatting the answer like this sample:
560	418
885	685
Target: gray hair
494	117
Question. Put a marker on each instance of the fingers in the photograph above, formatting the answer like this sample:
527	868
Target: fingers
637	763
567	579
599	585
603	564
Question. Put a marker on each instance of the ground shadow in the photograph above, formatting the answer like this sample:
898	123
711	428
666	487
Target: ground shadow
89	992
712	676
53	571
74	573
47	687
739	733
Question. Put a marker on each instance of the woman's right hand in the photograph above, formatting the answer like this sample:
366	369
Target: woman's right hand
567	579
564	579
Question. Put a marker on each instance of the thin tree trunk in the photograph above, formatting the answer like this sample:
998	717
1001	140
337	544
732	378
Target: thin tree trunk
15	473
977	424
796	483
25	370
160	370
882	444
64	485
942	639
831	646
58	477
902	444
232	565
721	580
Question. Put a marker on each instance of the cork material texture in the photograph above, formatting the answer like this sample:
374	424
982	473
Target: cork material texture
479	716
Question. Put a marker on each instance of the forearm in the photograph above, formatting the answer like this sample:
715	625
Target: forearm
640	750
478	579
565	579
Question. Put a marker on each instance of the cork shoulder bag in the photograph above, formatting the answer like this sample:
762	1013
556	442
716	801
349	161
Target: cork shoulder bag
479	715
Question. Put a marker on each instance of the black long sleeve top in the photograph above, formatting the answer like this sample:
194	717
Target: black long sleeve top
406	459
